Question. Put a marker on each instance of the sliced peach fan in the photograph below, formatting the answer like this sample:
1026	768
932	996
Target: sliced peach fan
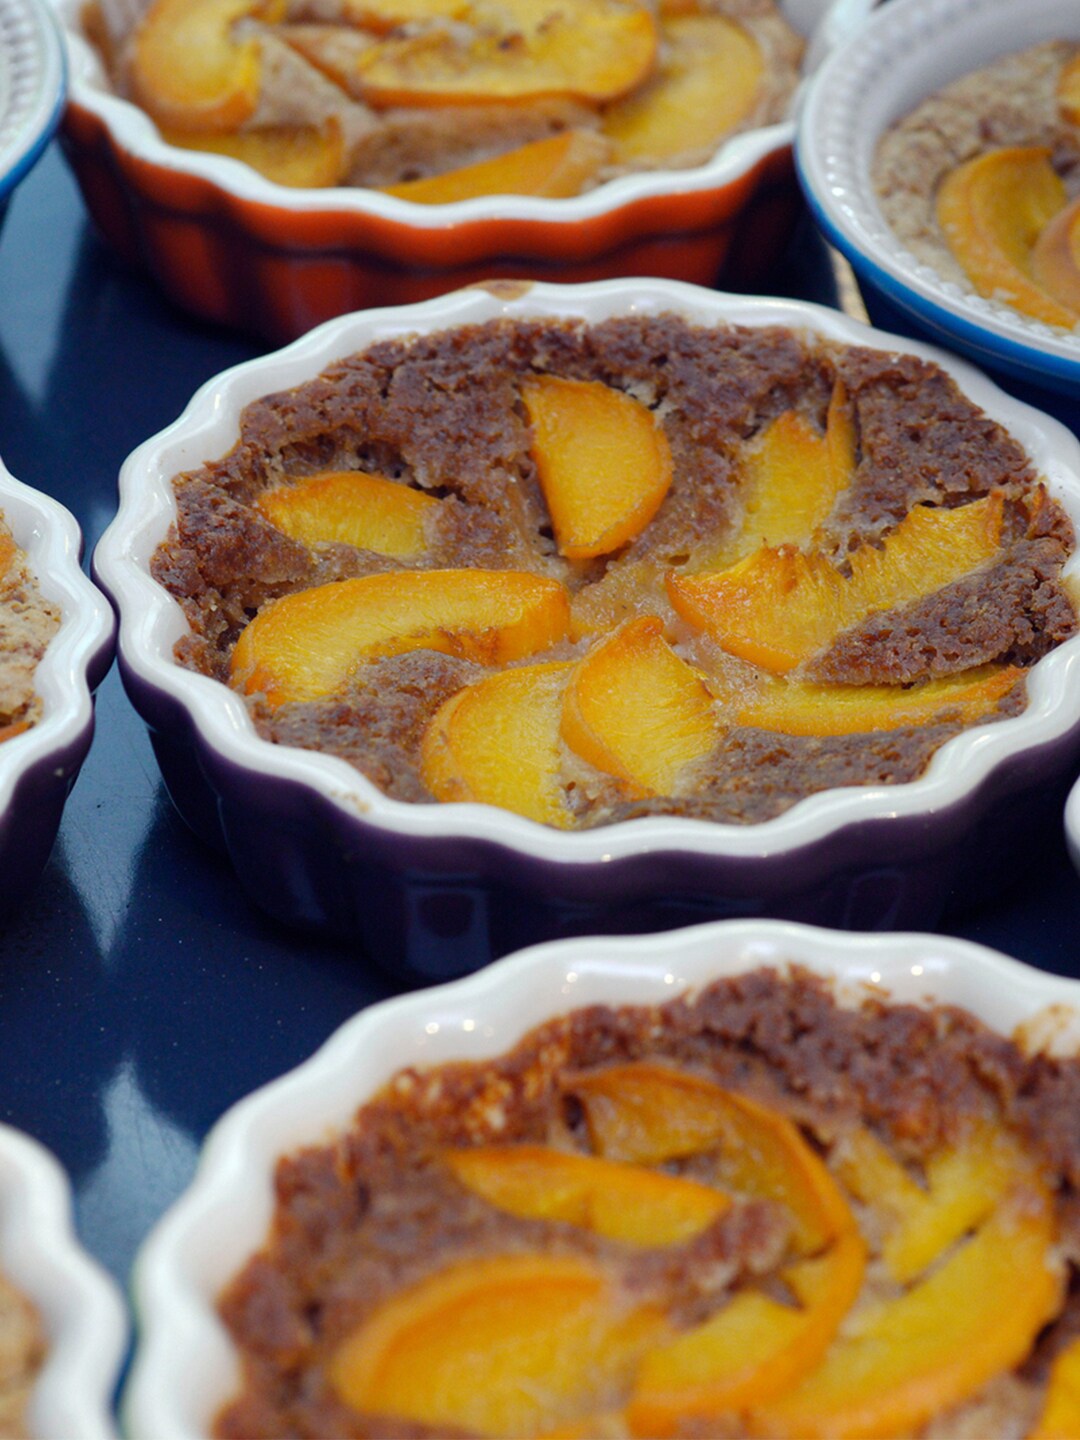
1000	214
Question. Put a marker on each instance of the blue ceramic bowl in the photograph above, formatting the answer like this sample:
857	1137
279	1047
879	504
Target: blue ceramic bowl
33	83
436	890
906	52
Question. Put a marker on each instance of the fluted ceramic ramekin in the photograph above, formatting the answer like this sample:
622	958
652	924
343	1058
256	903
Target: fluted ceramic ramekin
33	83
437	889
185	1366
907	51
80	1307
231	246
39	767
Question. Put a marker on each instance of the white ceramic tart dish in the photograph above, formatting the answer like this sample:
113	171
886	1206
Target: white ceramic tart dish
39	766
82	1314
32	88
236	248
185	1366
437	889
910	50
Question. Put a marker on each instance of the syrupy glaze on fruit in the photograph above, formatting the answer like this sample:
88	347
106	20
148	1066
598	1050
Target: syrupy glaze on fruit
545	98
666	568
750	1211
27	623
981	181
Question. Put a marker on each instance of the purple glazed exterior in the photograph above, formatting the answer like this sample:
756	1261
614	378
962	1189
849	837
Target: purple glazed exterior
39	767
433	894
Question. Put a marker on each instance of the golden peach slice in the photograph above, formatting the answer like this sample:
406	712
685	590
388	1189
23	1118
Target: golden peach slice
1055	260
1060	1418
754	1349
963	1183
500	1346
646	1113
778	607
382	16
797	709
603	462
307	645
706	84
188	70
512	50
1068	90
620	1202
557	165
901	1361
352	508
992	211
497	742
635	710
304	157
791	476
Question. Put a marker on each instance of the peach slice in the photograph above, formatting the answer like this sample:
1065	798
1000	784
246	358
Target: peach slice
706	84
1068	90
991	211
593	50
1060	1418
498	742
778	607
793	476
646	1113
1055	259
621	1202
753	1350
635	710
557	165
189	72
502	1346
353	508
304	157
603	462
382	16
308	644
796	709
901	1361
964	1182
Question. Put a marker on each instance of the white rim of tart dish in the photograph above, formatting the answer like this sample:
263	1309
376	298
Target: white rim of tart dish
908	51
51	541
80	1307
152	621
32	84
824	22
186	1366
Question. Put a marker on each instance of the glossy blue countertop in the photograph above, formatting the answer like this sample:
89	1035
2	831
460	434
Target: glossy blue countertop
140	993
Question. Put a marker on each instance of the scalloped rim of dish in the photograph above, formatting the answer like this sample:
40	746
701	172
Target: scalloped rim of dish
33	81
152	622
185	1365
50	537
904	53
133	129
81	1308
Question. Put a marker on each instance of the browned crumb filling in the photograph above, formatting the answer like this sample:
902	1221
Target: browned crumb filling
379	1210
442	414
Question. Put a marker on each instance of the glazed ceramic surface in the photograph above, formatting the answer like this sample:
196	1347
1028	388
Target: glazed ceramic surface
81	1310
435	887
185	1366
909	50
32	87
38	767
231	246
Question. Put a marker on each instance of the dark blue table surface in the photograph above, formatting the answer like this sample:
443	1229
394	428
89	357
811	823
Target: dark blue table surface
140	993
